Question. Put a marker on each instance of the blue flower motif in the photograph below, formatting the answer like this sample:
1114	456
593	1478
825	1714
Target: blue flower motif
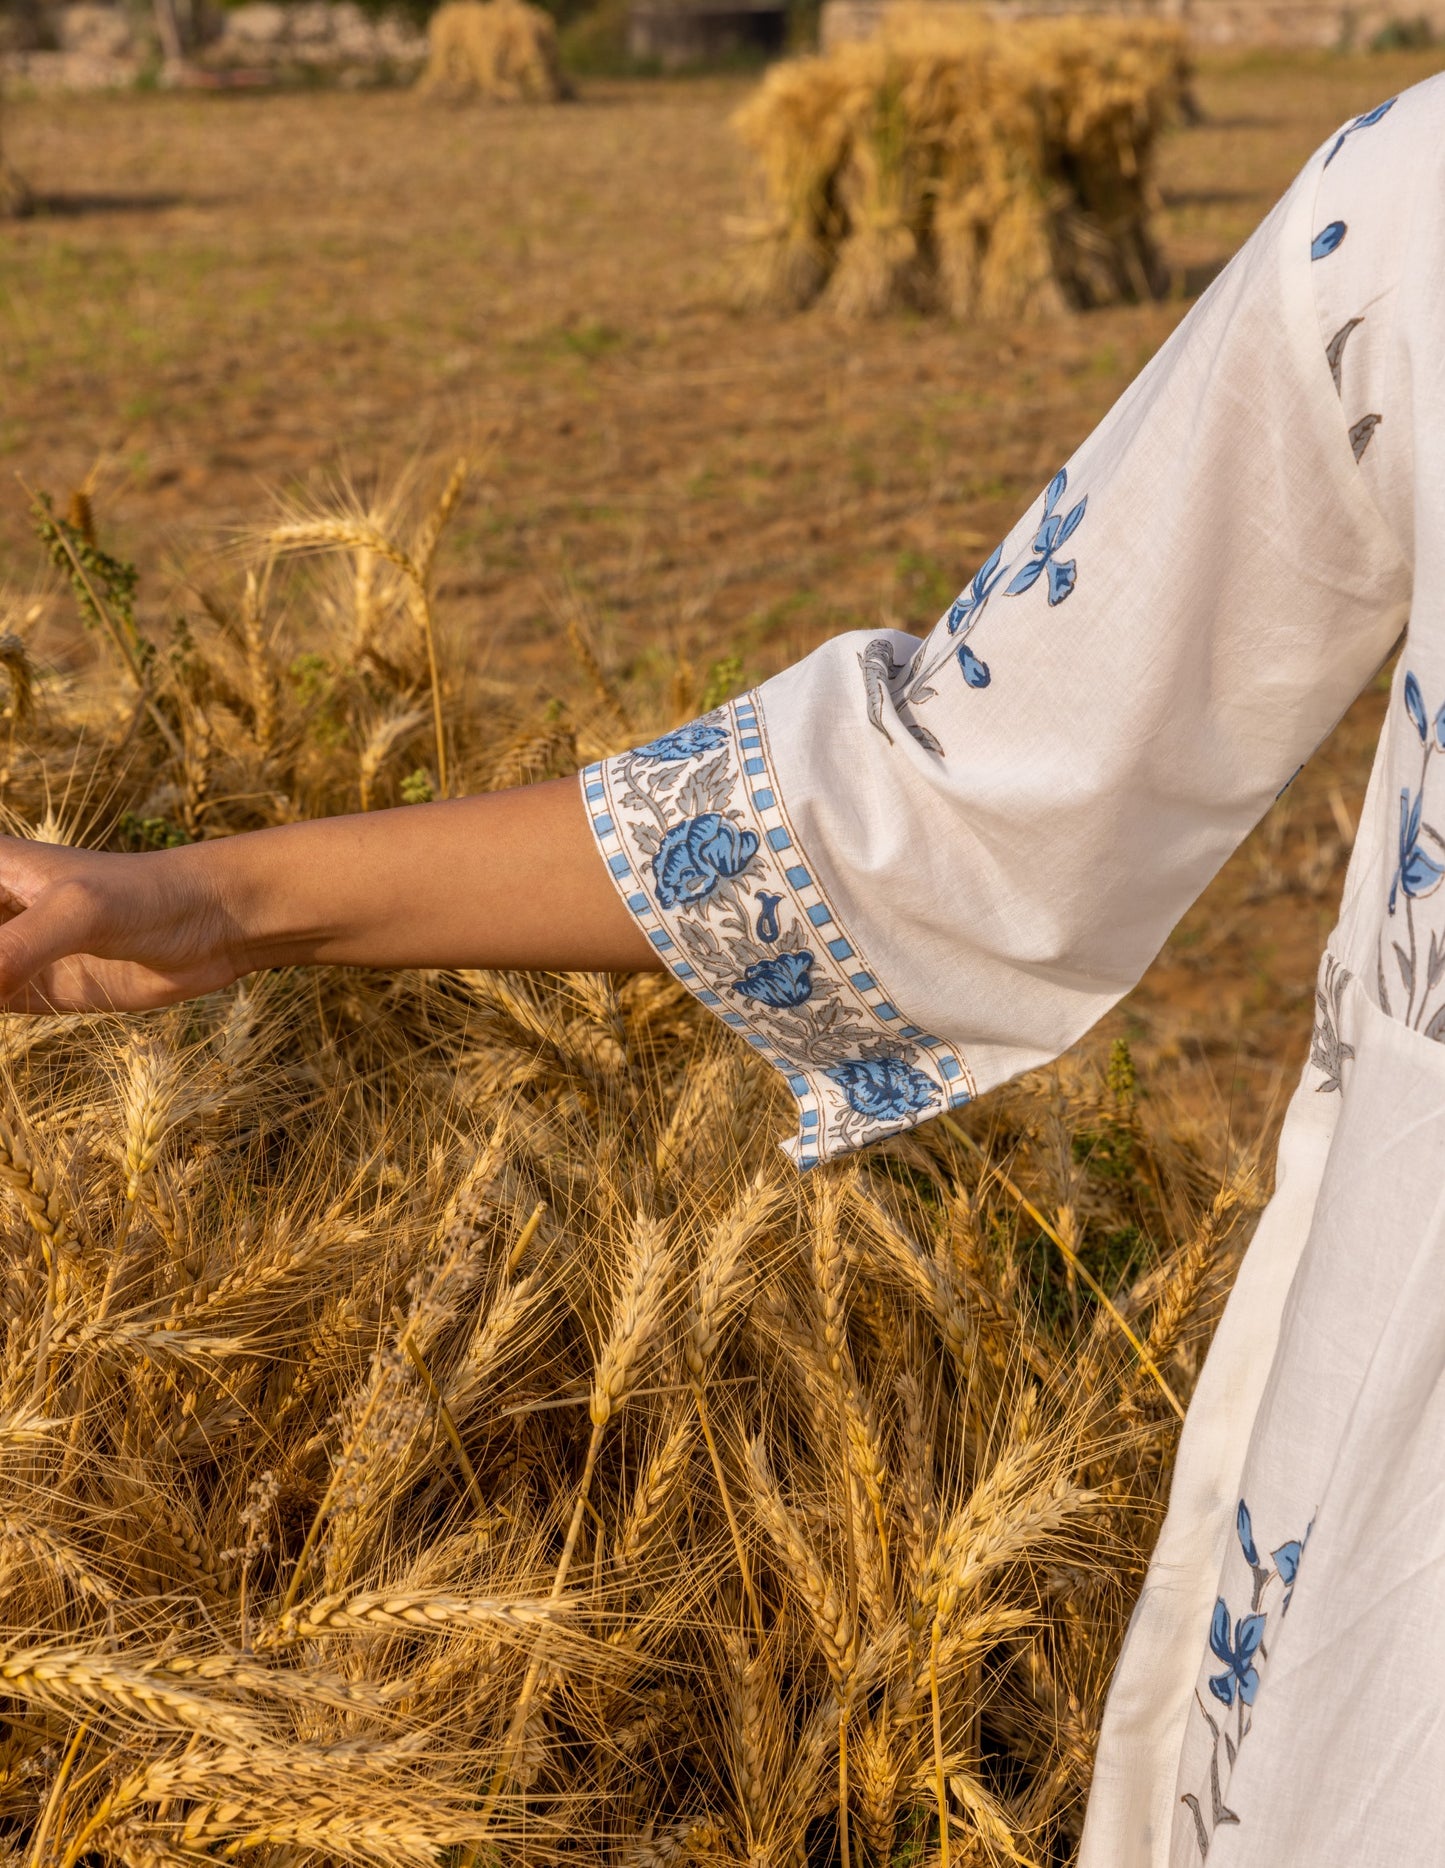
1368	121
1286	1561
695	856
768	916
1055	531
1245	1529
785	979
1415	707
684	742
975	672
1416	873
977	594
884	1088
1240	1673
1328	240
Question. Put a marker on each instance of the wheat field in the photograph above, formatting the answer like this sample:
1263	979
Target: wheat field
436	1423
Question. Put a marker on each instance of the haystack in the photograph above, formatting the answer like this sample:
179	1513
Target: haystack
951	164
503	51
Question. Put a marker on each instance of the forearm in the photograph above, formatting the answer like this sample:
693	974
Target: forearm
507	879
511	879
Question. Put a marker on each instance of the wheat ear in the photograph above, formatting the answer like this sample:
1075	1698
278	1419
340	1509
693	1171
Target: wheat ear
375	1611
722	1288
423	556
69	1681
636	1317
830	1271
1075	1264
360	535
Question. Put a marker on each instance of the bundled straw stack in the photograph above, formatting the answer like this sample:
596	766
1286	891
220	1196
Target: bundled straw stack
503	51
952	164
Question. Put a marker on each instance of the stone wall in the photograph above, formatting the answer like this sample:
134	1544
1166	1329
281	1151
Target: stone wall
694	32
100	44
1322	23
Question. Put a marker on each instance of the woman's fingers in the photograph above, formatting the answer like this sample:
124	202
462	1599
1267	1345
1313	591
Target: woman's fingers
62	920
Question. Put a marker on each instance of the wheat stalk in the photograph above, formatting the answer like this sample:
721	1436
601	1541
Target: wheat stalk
722	1287
636	1317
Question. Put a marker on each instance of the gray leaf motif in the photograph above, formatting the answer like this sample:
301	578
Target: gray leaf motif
1335	352
921	734
1363	433
1328	1051
880	669
701	943
708	788
1222	1811
1435	967
1201	1828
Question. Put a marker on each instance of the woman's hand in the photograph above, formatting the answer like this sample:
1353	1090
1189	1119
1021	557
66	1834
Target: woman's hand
509	879
87	930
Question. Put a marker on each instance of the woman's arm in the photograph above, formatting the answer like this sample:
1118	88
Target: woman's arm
509	879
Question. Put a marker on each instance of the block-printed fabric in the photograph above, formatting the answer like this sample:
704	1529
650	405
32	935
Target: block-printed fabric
905	870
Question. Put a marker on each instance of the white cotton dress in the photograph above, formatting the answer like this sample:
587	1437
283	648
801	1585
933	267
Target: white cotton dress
905	871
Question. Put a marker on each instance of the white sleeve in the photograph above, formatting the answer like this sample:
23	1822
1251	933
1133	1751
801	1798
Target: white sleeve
905	871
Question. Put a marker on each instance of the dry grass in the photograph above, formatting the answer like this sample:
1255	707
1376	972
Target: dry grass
503	51
950	163
435	1422
14	195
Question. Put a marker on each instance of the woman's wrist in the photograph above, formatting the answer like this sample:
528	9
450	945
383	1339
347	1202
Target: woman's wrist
262	896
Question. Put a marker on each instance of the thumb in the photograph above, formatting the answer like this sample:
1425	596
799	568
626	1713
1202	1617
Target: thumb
62	920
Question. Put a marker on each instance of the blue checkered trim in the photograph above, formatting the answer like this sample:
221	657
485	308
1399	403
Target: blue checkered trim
816	1094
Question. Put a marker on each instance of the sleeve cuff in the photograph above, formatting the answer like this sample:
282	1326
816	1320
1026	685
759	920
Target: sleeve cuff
699	844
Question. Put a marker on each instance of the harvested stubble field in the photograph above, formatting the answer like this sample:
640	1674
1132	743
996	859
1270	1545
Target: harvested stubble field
434	1423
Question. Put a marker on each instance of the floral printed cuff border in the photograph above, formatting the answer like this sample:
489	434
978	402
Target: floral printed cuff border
700	846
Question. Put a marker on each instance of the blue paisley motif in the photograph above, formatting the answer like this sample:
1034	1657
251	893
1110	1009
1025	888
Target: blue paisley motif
695	856
1328	240
683	742
784	980
1367	122
884	1088
1244	1530
1415	707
